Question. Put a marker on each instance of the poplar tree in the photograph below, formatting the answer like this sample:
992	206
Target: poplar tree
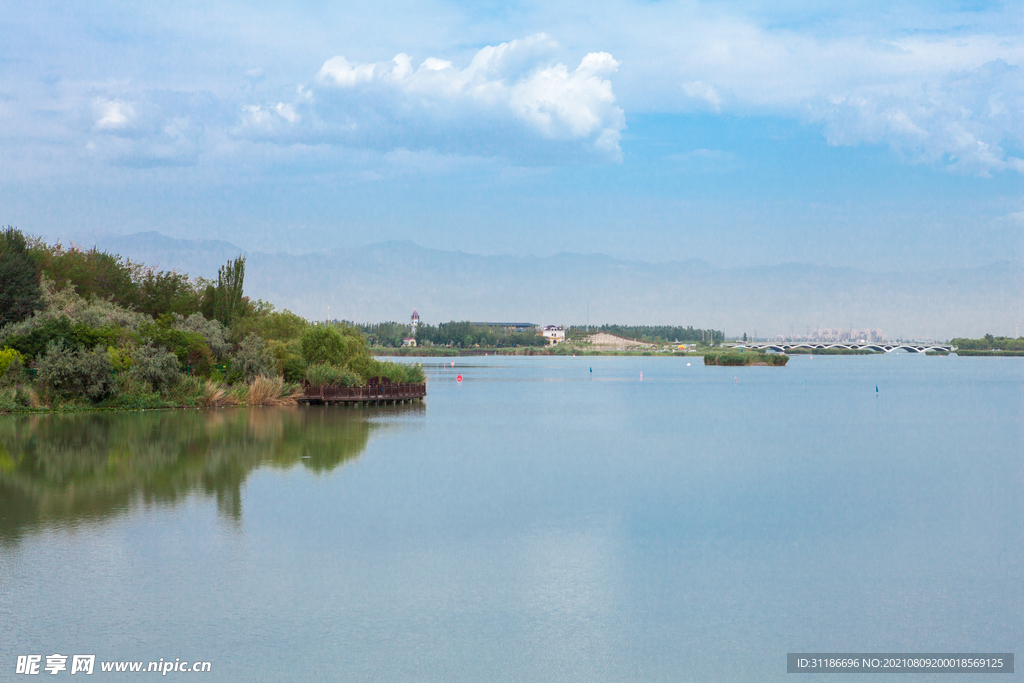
228	296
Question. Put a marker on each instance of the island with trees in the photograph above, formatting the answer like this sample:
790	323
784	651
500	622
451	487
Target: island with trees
989	346
84	329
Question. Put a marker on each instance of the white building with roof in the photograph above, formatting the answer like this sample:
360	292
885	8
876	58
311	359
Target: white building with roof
554	334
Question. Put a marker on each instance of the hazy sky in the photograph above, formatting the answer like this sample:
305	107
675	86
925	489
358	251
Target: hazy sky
874	135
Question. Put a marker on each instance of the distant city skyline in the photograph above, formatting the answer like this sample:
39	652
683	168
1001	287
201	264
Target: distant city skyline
877	136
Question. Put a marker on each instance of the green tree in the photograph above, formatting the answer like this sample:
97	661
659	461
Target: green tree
338	345
19	278
228	295
161	292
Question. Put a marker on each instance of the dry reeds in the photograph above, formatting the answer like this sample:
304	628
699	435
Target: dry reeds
262	391
266	391
215	396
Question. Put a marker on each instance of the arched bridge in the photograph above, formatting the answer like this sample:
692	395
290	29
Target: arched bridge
912	347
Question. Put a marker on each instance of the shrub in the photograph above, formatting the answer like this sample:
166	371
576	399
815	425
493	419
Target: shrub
11	365
396	372
34	342
120	357
155	367
288	357
211	330
253	360
71	373
339	345
324	374
269	324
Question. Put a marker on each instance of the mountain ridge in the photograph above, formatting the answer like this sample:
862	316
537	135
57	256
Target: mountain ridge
386	280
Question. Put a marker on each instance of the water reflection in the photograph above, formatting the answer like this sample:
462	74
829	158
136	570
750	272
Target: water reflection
58	470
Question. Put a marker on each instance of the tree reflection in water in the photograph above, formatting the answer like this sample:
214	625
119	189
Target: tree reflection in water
60	470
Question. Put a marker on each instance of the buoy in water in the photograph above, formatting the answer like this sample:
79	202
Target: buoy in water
459	379
735	380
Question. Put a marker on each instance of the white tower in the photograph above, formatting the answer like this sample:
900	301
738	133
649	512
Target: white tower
414	321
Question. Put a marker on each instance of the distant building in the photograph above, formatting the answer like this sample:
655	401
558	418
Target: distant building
414	322
554	334
409	341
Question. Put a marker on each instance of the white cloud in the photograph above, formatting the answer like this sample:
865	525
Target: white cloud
268	117
339	71
286	112
112	114
700	90
511	78
962	119
952	95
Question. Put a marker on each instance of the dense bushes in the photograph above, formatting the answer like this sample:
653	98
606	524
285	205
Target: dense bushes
323	374
155	367
69	373
253	360
11	364
34	343
269	324
334	345
212	332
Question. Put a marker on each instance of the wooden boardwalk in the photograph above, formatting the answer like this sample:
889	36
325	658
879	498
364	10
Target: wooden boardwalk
374	393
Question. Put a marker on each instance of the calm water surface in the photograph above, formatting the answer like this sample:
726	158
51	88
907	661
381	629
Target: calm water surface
537	522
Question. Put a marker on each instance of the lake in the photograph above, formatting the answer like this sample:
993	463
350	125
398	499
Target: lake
546	519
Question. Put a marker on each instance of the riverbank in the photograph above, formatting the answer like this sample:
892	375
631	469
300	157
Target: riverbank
189	394
993	353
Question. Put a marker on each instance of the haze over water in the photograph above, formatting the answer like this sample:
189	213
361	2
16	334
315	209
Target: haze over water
537	522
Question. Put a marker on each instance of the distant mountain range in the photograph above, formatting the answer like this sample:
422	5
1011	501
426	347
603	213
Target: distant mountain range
386	281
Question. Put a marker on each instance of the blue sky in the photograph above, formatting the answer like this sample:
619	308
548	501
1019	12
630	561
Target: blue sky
879	136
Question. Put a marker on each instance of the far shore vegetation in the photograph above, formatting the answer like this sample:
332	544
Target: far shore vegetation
462	338
746	359
989	346
84	329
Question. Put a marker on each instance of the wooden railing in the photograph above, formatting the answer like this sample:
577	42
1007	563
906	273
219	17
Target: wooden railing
369	392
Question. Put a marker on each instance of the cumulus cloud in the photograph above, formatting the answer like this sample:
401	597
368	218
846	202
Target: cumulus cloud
339	71
511	79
